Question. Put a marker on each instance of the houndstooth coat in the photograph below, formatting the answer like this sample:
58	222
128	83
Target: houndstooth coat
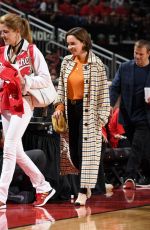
96	109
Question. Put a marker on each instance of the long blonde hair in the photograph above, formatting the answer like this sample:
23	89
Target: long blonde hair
16	22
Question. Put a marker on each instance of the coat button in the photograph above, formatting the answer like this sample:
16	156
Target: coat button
87	81
85	138
86	95
86	124
86	110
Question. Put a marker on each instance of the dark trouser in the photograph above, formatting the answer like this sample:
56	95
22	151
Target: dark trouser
75	121
100	185
140	149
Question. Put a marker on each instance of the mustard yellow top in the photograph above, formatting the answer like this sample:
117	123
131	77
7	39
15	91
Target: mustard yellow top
75	84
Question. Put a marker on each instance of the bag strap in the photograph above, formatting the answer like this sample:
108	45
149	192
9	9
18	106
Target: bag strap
31	61
31	57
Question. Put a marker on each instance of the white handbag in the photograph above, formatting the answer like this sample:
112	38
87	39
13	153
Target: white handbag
44	96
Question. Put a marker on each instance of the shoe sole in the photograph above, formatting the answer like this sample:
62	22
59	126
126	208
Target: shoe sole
47	198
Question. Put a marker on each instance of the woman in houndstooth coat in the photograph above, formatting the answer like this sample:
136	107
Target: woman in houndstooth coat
83	97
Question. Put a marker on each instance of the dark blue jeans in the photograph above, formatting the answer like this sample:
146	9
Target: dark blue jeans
140	150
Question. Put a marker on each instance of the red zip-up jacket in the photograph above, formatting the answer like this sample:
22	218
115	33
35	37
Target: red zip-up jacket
114	127
10	94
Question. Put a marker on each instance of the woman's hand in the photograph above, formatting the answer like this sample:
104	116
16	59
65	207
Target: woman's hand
57	113
117	136
105	139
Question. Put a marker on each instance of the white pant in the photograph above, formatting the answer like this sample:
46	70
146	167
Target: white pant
14	127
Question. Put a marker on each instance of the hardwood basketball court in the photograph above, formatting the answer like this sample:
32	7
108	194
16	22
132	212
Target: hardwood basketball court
119	210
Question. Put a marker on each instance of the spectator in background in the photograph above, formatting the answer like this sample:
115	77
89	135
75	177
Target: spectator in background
102	9
43	6
129	83
116	132
88	9
83	96
116	3
67	8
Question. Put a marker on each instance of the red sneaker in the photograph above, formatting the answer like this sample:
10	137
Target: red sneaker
42	198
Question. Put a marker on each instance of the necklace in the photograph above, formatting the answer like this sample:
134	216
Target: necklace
11	54
17	44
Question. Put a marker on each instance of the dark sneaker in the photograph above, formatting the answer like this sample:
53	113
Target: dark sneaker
42	198
129	184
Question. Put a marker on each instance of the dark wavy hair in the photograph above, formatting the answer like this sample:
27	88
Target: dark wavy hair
82	35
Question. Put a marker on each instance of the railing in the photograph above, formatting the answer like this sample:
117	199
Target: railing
4	8
47	38
42	32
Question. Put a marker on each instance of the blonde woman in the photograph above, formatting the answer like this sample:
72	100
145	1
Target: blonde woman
16	104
